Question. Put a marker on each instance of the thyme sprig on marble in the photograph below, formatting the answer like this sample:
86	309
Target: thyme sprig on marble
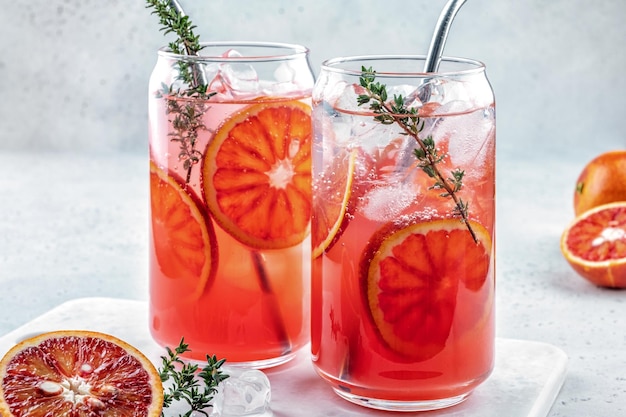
185	105
197	387
395	111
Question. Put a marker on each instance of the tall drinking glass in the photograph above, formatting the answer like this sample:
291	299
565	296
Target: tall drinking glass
230	201
403	230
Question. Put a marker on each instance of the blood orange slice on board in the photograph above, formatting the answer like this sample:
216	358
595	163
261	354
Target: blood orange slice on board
594	244
256	174
410	279
78	373
183	236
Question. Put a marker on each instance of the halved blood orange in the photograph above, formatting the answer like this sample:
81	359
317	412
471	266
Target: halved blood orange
78	373
594	244
183	236
411	275
256	174
332	202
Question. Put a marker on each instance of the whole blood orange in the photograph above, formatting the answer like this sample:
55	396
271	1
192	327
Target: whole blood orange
256	174
411	276
603	180
594	244
78	373
183	236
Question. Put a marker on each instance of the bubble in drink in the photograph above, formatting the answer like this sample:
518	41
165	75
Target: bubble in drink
245	393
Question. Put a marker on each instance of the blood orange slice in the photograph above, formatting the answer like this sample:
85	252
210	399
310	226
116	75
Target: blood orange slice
410	279
78	373
332	203
183	236
594	244
256	174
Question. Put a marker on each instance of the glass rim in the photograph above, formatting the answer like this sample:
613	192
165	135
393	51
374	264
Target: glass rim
474	66
285	51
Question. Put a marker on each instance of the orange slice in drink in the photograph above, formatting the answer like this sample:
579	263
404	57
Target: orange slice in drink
183	236
256	174
594	244
410	279
332	203
78	373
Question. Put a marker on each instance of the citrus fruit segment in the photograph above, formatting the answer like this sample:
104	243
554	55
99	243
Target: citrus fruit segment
602	181
183	236
78	373
411	275
332	203
256	174
594	244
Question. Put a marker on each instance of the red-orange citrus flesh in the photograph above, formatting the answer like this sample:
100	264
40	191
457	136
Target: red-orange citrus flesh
257	174
332	203
602	181
411	275
594	244
183	235
78	373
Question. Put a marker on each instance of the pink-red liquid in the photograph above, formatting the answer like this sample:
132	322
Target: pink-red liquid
347	347
253	304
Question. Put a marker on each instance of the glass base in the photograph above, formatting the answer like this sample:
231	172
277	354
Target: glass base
263	363
390	405
258	364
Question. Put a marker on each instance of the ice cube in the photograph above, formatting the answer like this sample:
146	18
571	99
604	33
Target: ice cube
386	203
283	82
246	392
285	73
347	98
469	135
408	92
238	77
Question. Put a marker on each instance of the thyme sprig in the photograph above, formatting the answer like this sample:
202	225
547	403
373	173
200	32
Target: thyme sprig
186	43
186	119
186	114
197	387
395	111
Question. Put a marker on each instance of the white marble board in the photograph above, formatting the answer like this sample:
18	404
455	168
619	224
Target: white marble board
525	382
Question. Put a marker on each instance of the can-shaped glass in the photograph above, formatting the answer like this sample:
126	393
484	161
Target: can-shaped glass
230	201
403	239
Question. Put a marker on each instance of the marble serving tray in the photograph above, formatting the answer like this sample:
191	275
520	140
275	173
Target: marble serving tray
525	382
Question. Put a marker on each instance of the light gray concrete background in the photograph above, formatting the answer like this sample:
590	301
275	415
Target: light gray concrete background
73	73
73	148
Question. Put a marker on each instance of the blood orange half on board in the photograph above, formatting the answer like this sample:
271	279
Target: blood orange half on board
78	373
594	244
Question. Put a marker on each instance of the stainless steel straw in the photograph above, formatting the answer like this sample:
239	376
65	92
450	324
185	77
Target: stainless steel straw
440	35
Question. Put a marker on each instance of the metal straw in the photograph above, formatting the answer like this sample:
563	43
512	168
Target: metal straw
257	258
176	6
440	35
197	70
